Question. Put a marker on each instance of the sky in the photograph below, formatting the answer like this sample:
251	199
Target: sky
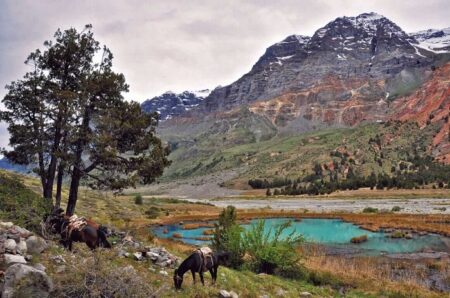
182	45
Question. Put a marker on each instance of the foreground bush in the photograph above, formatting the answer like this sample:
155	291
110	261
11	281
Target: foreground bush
227	236
269	251
21	205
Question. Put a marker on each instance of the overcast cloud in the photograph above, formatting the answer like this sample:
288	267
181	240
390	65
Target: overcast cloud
186	45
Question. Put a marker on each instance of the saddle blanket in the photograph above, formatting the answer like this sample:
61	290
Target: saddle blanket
206	251
206	255
76	223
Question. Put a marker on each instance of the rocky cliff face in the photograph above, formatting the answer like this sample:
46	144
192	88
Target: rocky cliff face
368	48
430	105
352	70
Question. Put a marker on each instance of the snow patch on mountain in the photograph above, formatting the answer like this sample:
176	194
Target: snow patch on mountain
171	104
435	40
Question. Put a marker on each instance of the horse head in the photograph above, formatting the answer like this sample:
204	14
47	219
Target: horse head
177	280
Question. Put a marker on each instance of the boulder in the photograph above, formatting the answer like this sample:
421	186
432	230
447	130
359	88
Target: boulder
224	294
6	225
25	281
162	272
36	245
305	294
138	256
22	247
10	245
22	231
39	266
11	259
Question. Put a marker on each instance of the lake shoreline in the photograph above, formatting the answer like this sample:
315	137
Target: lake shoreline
429	223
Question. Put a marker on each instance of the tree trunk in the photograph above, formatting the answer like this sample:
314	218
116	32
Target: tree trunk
59	182
78	171
73	193
51	173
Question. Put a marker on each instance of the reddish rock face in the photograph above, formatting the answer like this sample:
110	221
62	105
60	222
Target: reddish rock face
430	104
333	101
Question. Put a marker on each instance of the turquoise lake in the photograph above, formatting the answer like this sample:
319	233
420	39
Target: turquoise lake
332	233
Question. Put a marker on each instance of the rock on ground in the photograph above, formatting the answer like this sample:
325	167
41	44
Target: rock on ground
226	294
11	259
25	281
36	245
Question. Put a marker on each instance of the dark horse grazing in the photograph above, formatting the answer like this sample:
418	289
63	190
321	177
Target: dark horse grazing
196	264
92	234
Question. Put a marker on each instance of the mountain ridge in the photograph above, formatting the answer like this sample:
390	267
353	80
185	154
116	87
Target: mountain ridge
367	48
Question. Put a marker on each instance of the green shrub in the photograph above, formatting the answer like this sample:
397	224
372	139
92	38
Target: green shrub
152	212
227	236
20	204
370	210
138	199
269	251
396	209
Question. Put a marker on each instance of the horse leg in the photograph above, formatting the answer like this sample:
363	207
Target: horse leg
212	275
201	277
70	244
193	275
215	274
91	245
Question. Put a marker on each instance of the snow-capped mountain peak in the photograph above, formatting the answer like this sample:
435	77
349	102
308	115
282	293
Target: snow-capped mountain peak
435	40
171	104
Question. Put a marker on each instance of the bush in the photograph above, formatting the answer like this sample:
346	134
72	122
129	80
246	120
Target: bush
152	212
370	210
269	251
21	205
138	199
227	236
396	209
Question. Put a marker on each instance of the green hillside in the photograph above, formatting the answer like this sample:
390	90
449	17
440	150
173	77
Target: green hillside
376	147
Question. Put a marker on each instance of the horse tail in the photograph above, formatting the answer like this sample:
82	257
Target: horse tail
102	239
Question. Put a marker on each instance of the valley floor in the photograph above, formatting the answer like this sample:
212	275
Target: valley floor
325	205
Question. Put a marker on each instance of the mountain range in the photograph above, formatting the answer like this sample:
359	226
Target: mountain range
347	72
352	72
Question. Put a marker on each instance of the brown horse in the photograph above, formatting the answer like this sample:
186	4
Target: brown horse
196	264
92	234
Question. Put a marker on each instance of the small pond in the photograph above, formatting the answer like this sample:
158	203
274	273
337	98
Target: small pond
334	234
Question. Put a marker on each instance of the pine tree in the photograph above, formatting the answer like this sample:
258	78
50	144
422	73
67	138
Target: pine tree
68	116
